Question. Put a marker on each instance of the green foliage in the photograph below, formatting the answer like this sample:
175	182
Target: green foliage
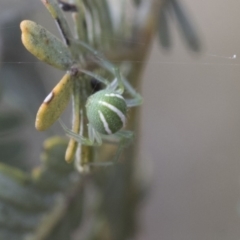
185	25
43	204
44	45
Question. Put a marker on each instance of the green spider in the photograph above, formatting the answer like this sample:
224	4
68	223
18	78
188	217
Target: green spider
106	110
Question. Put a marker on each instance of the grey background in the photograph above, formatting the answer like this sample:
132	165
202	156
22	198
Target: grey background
191	131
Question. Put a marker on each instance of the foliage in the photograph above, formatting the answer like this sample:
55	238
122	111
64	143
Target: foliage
36	205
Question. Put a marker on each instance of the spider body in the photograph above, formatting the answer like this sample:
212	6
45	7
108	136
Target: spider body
106	111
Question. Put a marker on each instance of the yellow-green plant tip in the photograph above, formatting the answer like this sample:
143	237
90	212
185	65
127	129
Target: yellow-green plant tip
54	103
71	150
36	173
44	45
51	142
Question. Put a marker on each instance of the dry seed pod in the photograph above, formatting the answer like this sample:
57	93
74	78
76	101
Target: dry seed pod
55	103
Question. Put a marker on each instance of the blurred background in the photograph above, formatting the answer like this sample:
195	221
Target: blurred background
190	130
190	121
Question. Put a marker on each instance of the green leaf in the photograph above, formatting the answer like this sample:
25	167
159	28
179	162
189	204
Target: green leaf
44	45
163	27
185	25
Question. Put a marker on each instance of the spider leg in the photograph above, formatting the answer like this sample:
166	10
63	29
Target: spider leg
94	135
96	76
81	162
123	138
80	139
136	99
106	64
120	82
113	85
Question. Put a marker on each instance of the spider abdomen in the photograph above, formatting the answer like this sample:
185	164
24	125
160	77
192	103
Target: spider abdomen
106	111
